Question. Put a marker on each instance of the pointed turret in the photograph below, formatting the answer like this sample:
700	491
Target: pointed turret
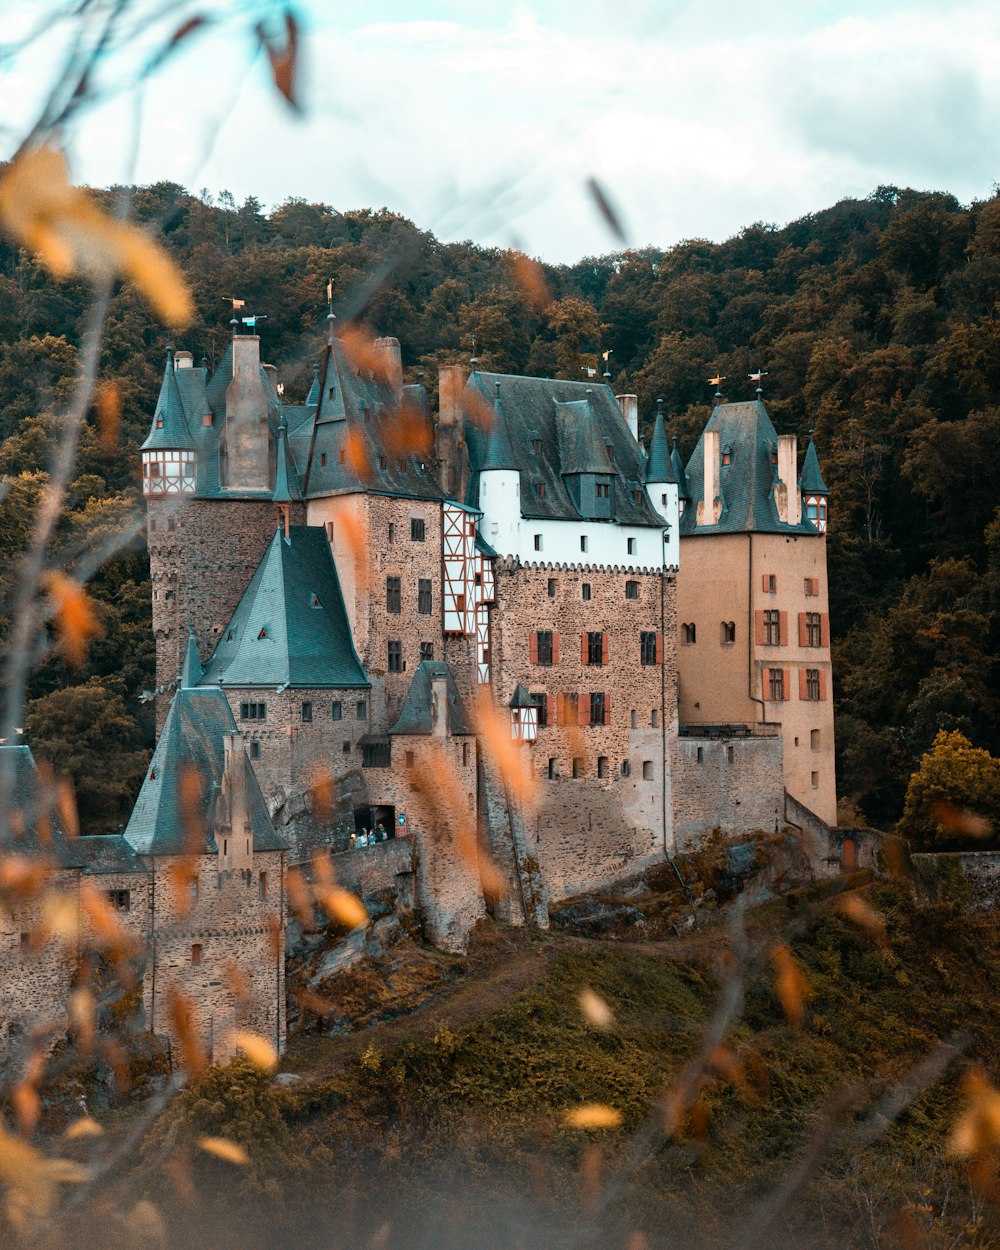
660	466
286	479
191	669
312	399
499	452
168	454
814	491
662	489
683	489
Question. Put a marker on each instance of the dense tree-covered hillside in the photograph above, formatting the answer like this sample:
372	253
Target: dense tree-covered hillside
876	320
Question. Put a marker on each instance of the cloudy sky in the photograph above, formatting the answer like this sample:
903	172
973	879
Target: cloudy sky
484	121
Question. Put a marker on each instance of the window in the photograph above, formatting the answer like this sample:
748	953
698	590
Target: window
776	684
427	651
813	739
772	628
583	542
541	701
552	767
631	546
539	490
700	755
322	459
263	633
171	525
812	688
598	708
381	462
337	710
811	586
571	709
362	711
603	490
392	532
543	647
409	759
395	652
192	890
253	711
728	632
262	885
314	601
255	750
425	597
578	766
120	900
552	587
634	719
648	647
307	711
585	591
393	595
689	634
730	754
654	718
815	781
770	584
196	954
626	768
537	444
346	748
602	766
814	630
375	755
631	590
727	457
595	648
538	542
647	770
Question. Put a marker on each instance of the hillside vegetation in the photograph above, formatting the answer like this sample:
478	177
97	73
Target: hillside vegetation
876	321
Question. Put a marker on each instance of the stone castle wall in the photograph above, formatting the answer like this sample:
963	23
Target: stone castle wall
735	785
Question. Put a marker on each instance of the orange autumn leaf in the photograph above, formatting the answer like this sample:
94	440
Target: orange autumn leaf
343	906
192	1054
529	276
257	1049
356	454
595	1010
85	1126
407	432
284	59
792	986
108	406
856	908
83	1017
363	352
511	761
76	621
27	1107
223	1148
593	1115
977	1129
64	227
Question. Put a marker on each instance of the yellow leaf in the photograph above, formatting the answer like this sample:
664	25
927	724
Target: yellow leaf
595	1010
67	231
857	909
343	906
977	1129
85	1126
792	986
223	1148
146	1222
593	1115
257	1049
74	615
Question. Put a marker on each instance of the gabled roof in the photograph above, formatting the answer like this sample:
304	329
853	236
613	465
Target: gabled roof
531	407
747	483
521	697
416	716
169	430
175	811
659	467
811	482
290	628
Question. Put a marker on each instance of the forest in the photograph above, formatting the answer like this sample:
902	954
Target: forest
876	320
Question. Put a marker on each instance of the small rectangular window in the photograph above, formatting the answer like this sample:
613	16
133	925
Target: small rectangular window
262	885
603	490
770	583
418	529
329	531
578	767
254	750
647	770
307	711
598	708
539	490
538	542
376	755
813	739
631	590
425	596
776	684
541	701
253	711
815	781
583	542
812	688
552	587
427	651
393	595
409	759
395	656
337	710
544	642
730	754
585	591
595	648
552	767
602	766
465	755
392	532
120	900
362	709
772	628
700	755
196	954
647	647
814	630
631	546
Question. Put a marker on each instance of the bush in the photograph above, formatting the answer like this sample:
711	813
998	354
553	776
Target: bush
953	799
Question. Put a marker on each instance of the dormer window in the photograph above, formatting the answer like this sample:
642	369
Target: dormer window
540	490
609	448
159	423
537	444
314	601
263	633
727	456
206	418
603	490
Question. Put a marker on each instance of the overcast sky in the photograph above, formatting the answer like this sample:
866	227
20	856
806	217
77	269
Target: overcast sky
484	121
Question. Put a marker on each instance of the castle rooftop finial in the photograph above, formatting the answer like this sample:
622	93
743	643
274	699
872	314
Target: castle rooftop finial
758	377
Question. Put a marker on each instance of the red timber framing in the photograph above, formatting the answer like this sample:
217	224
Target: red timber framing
467	578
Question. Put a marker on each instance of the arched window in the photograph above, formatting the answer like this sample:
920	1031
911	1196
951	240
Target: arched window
728	632
688	634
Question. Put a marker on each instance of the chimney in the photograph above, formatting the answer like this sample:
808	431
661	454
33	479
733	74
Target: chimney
247	435
392	364
629	404
450	437
233	828
708	512
439	706
789	501
183	360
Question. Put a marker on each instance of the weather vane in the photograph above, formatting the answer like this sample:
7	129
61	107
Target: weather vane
717	382
758	377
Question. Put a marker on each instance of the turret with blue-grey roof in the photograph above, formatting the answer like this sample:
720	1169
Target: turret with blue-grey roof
813	489
168	454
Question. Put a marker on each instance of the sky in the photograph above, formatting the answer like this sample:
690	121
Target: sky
485	121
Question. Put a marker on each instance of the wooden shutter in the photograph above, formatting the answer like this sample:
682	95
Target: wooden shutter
765	583
607	708
584	649
555	647
605	649
659	648
822	683
803	630
555	710
533	646
583	709
783	628
824	630
803	685
786	685
761	637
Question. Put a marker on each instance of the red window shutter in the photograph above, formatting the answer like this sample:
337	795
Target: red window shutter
659	648
803	630
765	583
607	708
583	649
824	630
759	628
786	684
555	648
605	649
803	685
555	709
815	585
822	683
533	647
783	635
583	709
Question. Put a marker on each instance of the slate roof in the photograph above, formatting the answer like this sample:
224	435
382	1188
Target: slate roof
286	479
499	453
169	429
99	854
20	831
416	714
660	466
747	483
290	628
192	742
684	488
811	482
549	411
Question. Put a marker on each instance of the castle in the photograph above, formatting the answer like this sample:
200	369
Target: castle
534	656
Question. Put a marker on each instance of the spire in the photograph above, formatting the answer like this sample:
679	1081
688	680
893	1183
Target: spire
169	431
660	467
679	473
811	482
499	452
312	399
286	479
191	669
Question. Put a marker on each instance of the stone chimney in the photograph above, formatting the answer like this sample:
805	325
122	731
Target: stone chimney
708	508
183	360
439	706
789	500
392	364
247	440
629	404
450	437
233	826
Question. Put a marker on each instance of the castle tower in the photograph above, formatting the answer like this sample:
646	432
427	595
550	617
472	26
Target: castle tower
500	483
662	488
813	490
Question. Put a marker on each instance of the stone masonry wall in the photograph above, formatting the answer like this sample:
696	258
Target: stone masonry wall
376	873
234	926
735	785
616	813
